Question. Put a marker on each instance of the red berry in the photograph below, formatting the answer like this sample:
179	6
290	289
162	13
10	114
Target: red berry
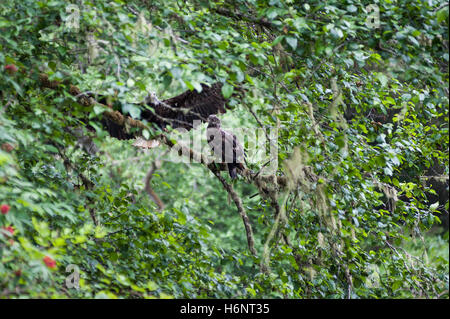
9	229
7	147
11	68
4	209
18	272
49	262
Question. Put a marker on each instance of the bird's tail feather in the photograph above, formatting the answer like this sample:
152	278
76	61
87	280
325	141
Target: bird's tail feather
232	170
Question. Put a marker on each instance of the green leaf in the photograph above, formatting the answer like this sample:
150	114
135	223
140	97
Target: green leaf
442	14
132	109
227	90
383	79
351	8
292	42
434	206
300	23
277	40
98	109
152	286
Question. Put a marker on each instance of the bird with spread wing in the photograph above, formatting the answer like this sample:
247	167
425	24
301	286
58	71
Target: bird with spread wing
179	112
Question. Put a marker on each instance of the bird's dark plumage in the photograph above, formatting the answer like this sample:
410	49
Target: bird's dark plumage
225	146
179	112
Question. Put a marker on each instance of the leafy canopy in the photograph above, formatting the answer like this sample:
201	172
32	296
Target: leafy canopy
357	92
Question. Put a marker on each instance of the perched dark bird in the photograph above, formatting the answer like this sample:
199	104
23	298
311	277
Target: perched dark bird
225	146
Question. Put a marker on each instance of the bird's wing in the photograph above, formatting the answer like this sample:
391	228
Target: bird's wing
214	139
225	145
192	105
179	111
237	151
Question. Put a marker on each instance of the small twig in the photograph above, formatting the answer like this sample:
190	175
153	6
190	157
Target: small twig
118	231
148	188
261	125
84	93
132	10
440	7
118	67
240	16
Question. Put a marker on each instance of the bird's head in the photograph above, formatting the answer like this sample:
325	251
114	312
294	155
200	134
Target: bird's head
213	121
151	99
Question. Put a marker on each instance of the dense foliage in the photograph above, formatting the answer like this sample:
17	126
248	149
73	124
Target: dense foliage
358	93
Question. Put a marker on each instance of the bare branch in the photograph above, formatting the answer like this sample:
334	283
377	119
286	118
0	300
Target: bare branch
240	207
148	188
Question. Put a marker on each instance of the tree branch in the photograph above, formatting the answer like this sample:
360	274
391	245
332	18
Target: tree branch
148	188
240	207
240	16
